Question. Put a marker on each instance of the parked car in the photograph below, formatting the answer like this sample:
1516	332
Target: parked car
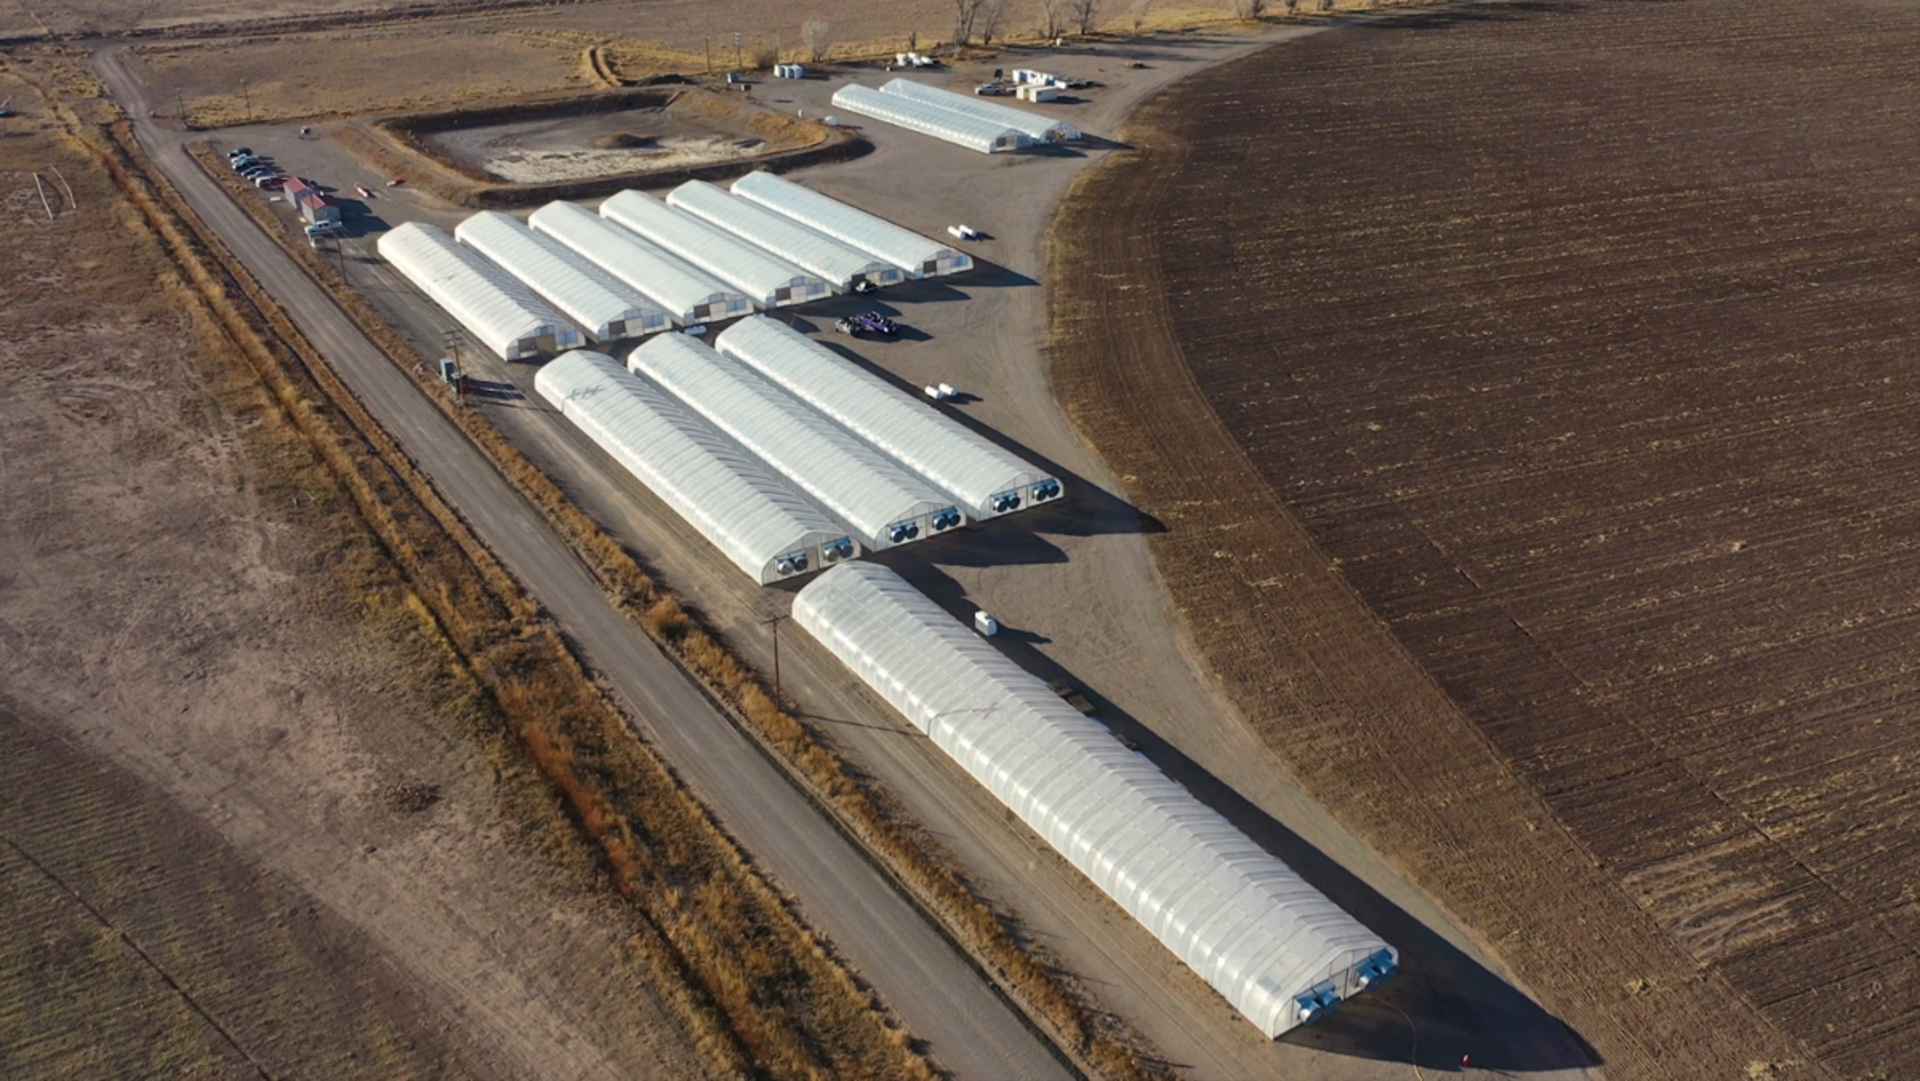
964	232
240	165
396	181
993	90
362	189
875	323
270	180
321	227
239	152
257	169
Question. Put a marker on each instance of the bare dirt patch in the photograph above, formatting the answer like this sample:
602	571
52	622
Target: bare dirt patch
1536	447
535	152
617	133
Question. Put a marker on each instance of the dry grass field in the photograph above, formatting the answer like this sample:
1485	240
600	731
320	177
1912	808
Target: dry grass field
1532	407
415	61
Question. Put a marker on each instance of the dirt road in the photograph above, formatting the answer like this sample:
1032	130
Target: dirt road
919	973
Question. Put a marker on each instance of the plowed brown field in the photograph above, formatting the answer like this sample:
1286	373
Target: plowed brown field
1529	393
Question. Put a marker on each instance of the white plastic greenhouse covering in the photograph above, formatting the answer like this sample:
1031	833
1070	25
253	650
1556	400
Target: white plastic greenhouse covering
764	527
1274	946
919	256
1040	129
929	119
984	479
835	263
491	304
688	295
608	308
881	503
767	280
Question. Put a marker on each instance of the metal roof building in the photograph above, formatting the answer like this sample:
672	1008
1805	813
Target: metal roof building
919	256
605	306
838	264
1040	129
763	526
1274	946
927	118
879	502
768	281
491	304
986	480
688	295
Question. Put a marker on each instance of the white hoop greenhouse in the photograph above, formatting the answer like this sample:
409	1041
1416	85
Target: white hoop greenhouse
764	527
606	307
496	310
768	281
882	504
688	295
986	480
839	265
919	256
1040	129
926	118
1274	946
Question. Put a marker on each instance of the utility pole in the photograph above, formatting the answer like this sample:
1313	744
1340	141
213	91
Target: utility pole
453	339
739	43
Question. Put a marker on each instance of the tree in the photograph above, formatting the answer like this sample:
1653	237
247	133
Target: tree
1053	18
817	36
1083	12
966	16
993	18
